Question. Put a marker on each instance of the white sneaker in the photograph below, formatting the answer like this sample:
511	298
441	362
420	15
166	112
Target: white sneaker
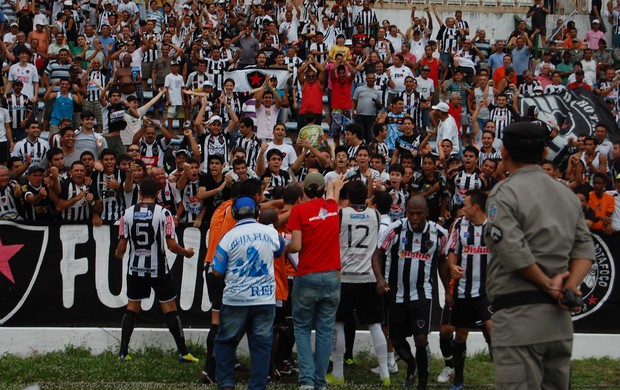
392	369
445	375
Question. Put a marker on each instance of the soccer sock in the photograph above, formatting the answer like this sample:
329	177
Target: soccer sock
391	359
459	362
349	337
210	360
127	325
402	348
445	345
338	350
378	341
176	328
422	358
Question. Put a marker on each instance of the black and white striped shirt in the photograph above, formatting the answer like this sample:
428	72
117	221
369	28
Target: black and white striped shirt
366	17
449	39
92	90
412	258
321	47
195	81
493	154
252	149
412	102
146	226
9	205
554	89
216	71
169	197
467	243
190	201
111	198
281	179
526	89
79	211
19	107
502	116
36	150
151	54
234	102
464	182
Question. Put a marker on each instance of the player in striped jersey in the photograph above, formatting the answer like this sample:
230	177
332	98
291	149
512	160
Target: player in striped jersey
465	178
191	208
10	194
77	201
32	147
359	229
414	249
146	226
107	186
468	256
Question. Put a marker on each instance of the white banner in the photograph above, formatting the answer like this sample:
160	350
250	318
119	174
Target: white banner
250	78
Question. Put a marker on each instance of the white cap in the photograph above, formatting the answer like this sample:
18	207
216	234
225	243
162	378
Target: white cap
214	118
443	107
207	83
348	42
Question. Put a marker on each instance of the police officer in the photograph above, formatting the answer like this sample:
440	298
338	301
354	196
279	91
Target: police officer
541	250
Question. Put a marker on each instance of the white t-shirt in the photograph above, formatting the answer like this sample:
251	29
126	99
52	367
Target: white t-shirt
448	130
245	255
5	118
27	75
266	119
287	150
398	77
425	88
174	83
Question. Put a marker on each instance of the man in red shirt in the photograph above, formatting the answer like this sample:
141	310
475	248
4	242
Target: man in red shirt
315	228
342	76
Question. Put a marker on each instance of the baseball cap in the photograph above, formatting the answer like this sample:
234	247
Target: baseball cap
525	133
14	24
443	107
426	67
348	42
314	178
34	168
547	53
174	63
244	206
214	118
182	151
596	21
207	83
187	6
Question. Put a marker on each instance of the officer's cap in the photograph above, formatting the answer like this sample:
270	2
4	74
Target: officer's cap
525	133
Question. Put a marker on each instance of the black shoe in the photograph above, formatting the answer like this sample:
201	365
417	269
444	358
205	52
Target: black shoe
410	379
206	379
240	367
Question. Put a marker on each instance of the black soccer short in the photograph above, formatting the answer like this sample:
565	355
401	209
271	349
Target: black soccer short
139	288
467	311
363	299
410	318
215	287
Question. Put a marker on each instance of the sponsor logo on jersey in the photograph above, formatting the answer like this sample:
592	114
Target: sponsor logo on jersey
358	216
414	255
143	215
475	250
598	283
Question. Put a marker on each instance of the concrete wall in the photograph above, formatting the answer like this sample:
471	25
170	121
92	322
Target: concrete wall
31	341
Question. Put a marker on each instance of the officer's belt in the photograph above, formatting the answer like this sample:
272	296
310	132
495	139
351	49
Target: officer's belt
521	298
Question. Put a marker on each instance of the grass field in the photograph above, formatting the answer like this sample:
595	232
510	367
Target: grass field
77	368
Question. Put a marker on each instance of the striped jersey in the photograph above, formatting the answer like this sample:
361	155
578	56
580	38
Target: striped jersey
359	230
493	154
526	89
19	107
467	243
36	150
79	211
413	106
464	182
92	90
449	39
502	116
146	226
366	17
412	259
252	147
169	197
190	201
111	199
9	205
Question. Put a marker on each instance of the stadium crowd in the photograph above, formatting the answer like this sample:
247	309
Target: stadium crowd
129	90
